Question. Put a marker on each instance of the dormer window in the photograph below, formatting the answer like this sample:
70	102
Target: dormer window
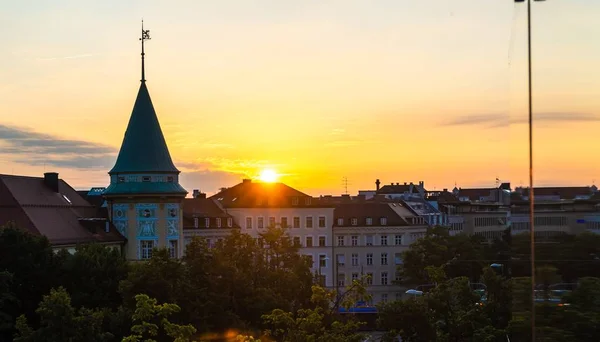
195	222
307	201
121	179
369	221
354	221
145	178
230	222
383	221
207	222
294	200
340	222
218	222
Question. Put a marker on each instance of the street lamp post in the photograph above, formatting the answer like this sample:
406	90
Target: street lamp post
531	197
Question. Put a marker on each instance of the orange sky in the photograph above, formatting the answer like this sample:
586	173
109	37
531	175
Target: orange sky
399	90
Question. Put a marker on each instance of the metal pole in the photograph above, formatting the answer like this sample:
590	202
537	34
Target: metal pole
531	191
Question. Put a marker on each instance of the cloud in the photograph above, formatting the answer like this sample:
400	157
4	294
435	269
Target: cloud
34	148
209	181
65	57
495	120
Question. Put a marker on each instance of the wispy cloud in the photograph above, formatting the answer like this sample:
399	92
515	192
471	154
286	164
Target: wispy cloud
494	120
65	57
33	148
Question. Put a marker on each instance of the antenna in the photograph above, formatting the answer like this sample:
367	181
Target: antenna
345	184
145	36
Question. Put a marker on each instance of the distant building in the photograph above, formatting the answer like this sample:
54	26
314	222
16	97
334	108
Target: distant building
206	218
50	207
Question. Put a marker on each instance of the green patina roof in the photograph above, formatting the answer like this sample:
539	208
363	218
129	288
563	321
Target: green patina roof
144	148
144	188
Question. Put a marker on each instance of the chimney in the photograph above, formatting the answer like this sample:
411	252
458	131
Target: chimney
201	195
397	183
222	189
377	183
196	193
404	183
51	180
246	180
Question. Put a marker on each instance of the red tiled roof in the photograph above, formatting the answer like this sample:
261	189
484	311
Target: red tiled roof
250	194
32	205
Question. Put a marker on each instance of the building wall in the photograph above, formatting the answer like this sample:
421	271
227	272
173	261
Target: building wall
148	219
241	215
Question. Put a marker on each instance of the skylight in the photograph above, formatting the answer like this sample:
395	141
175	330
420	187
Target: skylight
67	199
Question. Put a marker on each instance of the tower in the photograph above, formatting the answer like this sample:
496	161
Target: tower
144	197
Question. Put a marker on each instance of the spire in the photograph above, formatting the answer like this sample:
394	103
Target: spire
144	148
145	36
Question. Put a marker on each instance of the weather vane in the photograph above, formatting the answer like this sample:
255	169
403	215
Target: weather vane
145	36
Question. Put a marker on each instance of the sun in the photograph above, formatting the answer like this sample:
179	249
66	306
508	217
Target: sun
268	176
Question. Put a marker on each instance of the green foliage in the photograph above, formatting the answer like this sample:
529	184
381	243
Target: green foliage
148	319
59	321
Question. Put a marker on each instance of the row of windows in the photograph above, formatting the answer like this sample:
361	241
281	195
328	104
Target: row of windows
541	221
384	278
355	259
169	179
354	240
146	247
369	221
284	223
489	221
218	222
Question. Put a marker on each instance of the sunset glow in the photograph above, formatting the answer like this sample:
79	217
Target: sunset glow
268	176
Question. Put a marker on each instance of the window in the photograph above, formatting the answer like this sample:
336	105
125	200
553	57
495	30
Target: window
146	249
322	260
271	222
260	224
383	221
173	249
294	200
340	240
195	222
229	222
384	240
341	260
296	241
354	259
384	258
354	221
398	276
309	222
218	222
341	281
296	222
369	240
321	221
354	240
170	179
354	276
284	222
398	240
369	259
307	201
322	241
207	222
369	278
384	278
311	262
369	221
398	258
309	242
121	179
340	222
145	178
384	297
248	222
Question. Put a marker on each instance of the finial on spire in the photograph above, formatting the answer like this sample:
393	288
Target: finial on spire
145	36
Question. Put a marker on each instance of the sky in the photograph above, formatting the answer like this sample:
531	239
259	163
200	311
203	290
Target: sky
396	90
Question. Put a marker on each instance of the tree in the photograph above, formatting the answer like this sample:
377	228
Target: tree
92	276
59	321
323	323
8	303
150	317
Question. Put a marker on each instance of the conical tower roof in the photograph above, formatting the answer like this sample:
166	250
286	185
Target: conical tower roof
144	148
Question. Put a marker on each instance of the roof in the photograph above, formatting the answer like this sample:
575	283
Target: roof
475	194
144	188
251	194
203	208
373	210
144	148
64	217
399	189
565	192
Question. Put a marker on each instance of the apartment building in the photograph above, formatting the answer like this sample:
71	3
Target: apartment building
369	238
255	206
204	217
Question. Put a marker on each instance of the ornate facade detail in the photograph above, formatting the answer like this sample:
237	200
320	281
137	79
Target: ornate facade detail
172	220
146	220
120	218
